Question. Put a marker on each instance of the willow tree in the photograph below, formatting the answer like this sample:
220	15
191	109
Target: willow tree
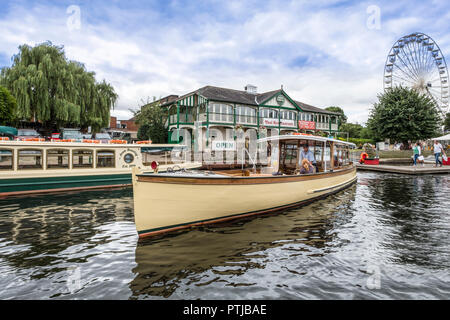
55	91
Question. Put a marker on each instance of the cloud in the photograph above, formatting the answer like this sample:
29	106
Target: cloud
322	51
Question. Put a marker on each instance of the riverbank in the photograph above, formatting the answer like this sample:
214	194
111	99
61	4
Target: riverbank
392	167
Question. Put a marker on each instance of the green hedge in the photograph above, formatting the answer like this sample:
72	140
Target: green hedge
358	141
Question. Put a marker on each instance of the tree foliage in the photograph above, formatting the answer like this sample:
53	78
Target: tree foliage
342	118
8	106
447	122
353	129
58	92
152	119
403	115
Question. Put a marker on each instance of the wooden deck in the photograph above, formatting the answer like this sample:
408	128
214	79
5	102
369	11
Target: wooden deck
405	169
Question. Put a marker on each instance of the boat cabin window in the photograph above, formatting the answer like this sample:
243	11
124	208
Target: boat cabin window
341	156
288	156
105	159
57	158
6	159
82	159
30	159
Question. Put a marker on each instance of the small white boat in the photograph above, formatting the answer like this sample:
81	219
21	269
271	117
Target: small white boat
171	201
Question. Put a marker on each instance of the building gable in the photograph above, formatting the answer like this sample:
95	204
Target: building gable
280	99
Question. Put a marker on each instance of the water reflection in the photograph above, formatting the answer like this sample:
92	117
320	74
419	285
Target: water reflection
234	248
41	233
412	215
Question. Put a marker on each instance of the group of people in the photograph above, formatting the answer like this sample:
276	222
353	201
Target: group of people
438	151
308	161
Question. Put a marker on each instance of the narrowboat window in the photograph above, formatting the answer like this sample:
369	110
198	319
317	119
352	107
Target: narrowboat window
82	159
6	159
30	159
129	158
57	159
105	159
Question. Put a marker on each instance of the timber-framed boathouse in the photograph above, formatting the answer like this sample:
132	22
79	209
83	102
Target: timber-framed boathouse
220	108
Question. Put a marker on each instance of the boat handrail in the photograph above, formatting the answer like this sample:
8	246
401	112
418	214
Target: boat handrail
244	150
304	137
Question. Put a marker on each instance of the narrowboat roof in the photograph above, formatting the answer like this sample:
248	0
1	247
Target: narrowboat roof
84	144
8	130
304	137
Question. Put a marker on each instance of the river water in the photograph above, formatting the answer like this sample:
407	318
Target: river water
387	237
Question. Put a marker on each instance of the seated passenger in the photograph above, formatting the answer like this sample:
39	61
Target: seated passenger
307	154
306	167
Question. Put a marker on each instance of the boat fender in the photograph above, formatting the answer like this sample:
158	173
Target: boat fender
363	157
155	166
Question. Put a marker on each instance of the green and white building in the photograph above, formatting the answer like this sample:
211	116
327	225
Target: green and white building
222	108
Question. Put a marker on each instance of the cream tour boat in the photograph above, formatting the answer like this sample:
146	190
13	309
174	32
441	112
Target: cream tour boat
171	201
28	167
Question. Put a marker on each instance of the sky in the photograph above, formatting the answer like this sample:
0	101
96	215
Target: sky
324	53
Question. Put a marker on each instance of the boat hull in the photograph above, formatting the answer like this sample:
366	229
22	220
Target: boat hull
40	184
163	204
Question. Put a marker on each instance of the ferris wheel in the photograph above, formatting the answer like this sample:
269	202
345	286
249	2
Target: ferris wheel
416	61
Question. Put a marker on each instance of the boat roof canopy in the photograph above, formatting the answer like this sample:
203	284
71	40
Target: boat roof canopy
304	137
8	130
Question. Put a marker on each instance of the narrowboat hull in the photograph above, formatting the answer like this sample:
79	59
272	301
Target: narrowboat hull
45	184
164	203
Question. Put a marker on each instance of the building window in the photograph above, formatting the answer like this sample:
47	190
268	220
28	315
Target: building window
6	159
220	112
82	159
288	115
268	113
57	159
105	159
30	159
246	115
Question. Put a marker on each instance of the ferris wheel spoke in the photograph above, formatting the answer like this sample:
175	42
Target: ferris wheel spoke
403	79
407	74
437	92
417	58
423	59
434	80
411	61
406	65
430	63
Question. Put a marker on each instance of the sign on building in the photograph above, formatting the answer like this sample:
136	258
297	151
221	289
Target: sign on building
309	125
274	122
223	145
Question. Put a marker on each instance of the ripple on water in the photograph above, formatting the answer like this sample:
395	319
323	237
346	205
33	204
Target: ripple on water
386	237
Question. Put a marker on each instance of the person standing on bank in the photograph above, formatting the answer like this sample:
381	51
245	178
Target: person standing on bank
416	152
437	149
308	155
